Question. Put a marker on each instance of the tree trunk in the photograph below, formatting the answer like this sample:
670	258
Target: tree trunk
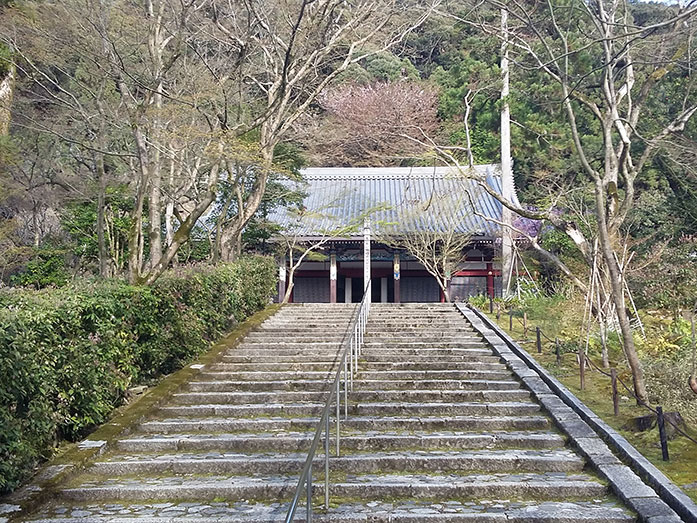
35	225
7	86
289	288
101	220
180	238
617	294
135	235
231	237
506	167
155	215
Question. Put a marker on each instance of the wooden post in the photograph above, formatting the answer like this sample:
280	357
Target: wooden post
582	366
662	433
615	396
557	350
490	280
498	312
510	319
397	275
525	324
538	341
332	278
491	304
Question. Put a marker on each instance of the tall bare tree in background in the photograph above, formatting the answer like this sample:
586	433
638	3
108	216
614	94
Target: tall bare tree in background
292	52
607	89
163	92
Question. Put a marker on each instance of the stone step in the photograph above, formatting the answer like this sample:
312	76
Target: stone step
274	366
452	327
295	336
431	365
416	330
236	397
393	423
360	409
360	463
318	324
292	329
299	337
232	357
300	441
399	354
265	354
418	343
248	375
553	486
268	385
389	511
433	374
375	356
437	384
424	336
288	342
364	365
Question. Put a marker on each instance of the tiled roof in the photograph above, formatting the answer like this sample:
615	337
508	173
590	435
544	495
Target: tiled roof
340	196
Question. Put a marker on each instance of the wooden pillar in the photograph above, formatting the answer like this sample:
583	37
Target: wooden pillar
396	271
490	279
348	293
332	278
281	279
383	290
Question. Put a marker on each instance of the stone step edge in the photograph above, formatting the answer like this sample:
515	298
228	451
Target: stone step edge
387	487
509	440
456	463
395	511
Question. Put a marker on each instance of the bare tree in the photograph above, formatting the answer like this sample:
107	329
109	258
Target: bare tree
603	78
432	230
292	52
307	231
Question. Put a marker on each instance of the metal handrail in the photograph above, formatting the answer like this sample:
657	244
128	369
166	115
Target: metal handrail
348	365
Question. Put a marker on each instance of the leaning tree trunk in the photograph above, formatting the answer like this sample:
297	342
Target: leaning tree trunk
617	294
231	244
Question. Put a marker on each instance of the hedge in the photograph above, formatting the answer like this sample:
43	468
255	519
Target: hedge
68	355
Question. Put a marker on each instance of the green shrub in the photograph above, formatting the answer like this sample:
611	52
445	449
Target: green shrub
46	269
68	355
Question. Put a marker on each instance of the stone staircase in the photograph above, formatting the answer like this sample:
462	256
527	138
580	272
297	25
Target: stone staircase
438	430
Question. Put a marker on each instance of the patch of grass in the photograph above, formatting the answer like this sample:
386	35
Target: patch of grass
597	394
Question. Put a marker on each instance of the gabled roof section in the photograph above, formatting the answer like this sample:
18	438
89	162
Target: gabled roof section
408	197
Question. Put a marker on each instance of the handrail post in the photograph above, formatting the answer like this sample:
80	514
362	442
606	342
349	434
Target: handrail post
326	463
350	376
345	388
338	416
309	493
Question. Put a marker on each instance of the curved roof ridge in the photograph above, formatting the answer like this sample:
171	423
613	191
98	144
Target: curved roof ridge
384	173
